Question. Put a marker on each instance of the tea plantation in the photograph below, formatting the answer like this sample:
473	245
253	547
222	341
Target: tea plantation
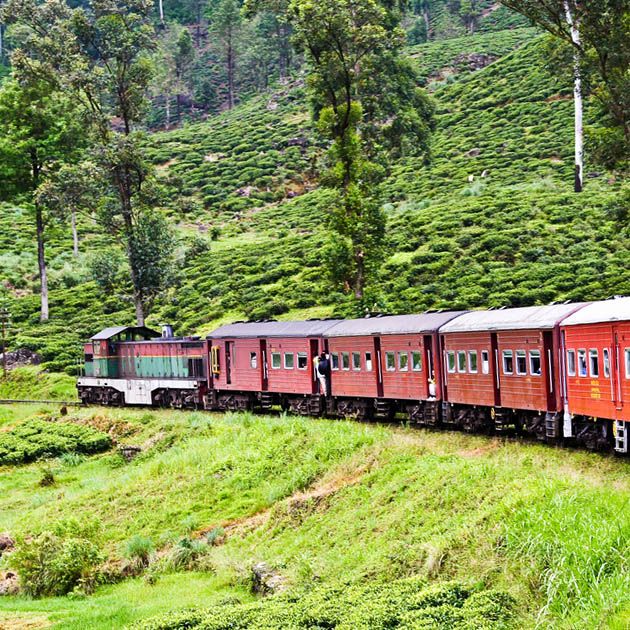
491	220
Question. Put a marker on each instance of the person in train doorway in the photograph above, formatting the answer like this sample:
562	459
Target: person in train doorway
323	373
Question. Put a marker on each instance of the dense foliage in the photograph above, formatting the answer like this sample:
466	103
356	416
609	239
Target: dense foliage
407	604
37	439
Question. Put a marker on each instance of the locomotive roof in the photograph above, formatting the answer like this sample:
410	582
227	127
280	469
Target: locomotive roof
524	318
113	331
312	328
614	310
392	324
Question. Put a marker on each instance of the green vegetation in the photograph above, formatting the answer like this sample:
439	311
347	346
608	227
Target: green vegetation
37	439
405	604
30	383
327	504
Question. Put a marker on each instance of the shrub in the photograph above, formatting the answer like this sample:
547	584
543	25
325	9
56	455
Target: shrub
187	554
57	562
138	550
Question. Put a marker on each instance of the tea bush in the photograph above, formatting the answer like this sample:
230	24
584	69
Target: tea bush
406	603
35	439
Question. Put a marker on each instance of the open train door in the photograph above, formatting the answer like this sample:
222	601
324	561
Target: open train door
314	352
618	368
430	376
379	367
264	376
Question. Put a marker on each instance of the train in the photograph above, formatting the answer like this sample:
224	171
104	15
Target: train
559	372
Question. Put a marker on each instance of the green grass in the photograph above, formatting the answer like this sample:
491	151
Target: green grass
322	501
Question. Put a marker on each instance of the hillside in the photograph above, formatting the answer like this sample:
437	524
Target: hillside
516	533
251	218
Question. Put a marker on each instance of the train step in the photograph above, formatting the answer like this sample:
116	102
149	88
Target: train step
621	436
502	421
382	409
552	426
266	401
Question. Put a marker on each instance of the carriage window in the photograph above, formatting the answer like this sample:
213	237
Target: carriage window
472	362
593	359
508	362
302	360
416	361
461	361
571	362
356	360
627	356
582	368
403	361
521	362
334	360
253	360
276	360
606	363
289	360
368	361
485	362
450	360
535	367
345	360
390	361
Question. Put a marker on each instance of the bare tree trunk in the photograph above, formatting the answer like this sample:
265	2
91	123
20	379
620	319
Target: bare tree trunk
1	41
75	233
167	107
137	300
41	261
230	71
427	20
577	99
161	5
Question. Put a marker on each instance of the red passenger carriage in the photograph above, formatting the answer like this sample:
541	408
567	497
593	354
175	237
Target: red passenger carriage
596	342
500	367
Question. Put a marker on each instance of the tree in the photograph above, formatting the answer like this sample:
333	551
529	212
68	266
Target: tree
599	32
73	189
226	23
39	131
367	105
101	55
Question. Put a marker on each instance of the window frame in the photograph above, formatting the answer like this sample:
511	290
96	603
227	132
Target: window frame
345	361
403	361
450	354
302	355
507	354
355	367
461	354
626	356
273	356
334	361
530	356
369	365
571	359
593	353
520	354
471	354
390	366
485	362
606	362
582	354
418	354
253	360
292	366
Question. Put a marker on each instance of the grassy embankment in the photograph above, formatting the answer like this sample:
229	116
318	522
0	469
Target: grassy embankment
324	501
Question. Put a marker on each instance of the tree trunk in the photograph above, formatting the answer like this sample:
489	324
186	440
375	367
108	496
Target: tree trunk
577	99
427	21
1	41
41	261
161	5
167	108
230	71
198	25
178	107
75	234
137	300
359	281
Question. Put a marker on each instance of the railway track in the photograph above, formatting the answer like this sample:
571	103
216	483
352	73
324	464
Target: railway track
63	403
